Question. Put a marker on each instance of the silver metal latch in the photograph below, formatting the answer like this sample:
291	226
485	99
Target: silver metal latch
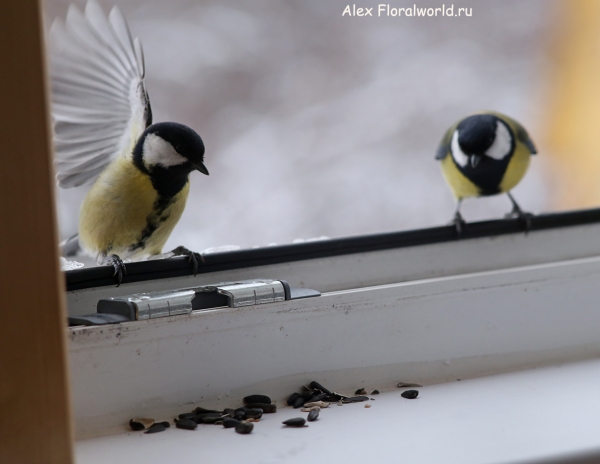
152	305
253	293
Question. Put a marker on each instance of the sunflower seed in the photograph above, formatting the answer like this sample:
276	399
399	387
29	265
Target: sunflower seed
312	416
321	404
317	386
228	422
312	408
355	399
317	397
295	422
292	398
257	399
410	394
375	392
255	413
367	405
186	424
210	419
299	402
360	391
228	412
157	427
200	410
140	423
267	408
244	427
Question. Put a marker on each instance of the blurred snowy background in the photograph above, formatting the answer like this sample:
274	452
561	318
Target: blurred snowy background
321	125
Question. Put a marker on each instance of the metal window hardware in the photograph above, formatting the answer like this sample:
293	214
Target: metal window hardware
155	304
152	305
253	292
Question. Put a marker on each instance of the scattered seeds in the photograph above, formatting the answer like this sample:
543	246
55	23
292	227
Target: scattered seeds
266	407
255	413
158	427
292	399
317	386
206	417
186	424
252	420
229	423
200	410
312	408
209	419
321	404
360	391
408	385
313	415
367	405
355	399
299	402
317	397
295	422
140	423
257	399
410	394
307	394
244	427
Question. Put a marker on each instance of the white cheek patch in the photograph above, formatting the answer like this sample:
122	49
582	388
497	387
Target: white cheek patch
458	155
158	151
502	143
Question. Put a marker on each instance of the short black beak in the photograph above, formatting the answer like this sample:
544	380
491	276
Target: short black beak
475	159
200	167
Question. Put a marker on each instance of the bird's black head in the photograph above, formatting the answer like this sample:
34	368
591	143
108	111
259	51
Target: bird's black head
477	133
482	146
168	152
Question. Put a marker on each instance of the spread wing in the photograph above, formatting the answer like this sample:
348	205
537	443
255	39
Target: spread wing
100	106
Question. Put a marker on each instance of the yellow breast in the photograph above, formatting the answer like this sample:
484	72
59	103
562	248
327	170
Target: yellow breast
459	184
119	215
462	187
517	167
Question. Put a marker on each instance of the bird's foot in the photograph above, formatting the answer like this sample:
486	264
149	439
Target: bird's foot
193	257
523	216
118	266
459	223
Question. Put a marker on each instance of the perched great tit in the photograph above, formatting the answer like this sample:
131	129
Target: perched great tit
104	135
485	154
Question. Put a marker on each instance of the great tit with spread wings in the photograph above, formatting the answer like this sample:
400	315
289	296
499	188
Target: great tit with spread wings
104	136
485	154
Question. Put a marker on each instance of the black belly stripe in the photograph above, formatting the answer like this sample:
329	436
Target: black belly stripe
488	174
153	221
